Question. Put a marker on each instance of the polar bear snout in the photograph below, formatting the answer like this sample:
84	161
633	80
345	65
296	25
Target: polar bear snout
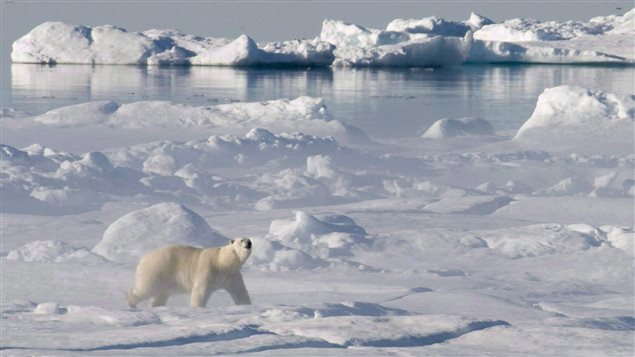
243	242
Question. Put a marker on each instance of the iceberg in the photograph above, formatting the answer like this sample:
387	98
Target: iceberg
58	42
357	46
599	40
437	26
426	42
525	30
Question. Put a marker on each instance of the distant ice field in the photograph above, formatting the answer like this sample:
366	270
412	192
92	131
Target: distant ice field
505	95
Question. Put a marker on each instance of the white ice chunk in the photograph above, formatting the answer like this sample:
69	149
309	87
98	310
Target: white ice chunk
447	128
138	232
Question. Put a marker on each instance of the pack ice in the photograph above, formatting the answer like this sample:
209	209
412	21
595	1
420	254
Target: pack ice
426	42
58	42
470	243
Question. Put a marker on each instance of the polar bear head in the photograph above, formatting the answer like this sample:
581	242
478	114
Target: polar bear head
242	247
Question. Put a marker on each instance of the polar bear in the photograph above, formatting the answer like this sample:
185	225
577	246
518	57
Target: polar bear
198	271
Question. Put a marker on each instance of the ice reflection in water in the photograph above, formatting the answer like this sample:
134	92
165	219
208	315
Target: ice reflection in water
383	102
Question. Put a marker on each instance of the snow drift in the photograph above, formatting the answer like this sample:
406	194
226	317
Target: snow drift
308	242
324	237
135	234
447	128
51	251
59	42
310	114
566	111
545	239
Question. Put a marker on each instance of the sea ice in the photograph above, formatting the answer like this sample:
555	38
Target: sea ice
309	114
566	111
58	42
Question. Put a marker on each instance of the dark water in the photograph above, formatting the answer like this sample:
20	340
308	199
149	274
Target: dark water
385	103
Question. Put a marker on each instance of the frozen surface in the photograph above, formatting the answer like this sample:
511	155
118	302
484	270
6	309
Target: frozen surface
59	42
487	244
307	114
447	128
357	46
426	42
522	30
564	114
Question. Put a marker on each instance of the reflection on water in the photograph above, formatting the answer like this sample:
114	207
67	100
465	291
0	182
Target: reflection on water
384	102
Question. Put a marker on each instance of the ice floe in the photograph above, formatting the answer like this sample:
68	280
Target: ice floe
521	30
425	42
309	114
58	42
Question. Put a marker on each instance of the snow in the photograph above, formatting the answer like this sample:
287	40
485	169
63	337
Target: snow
521	30
565	112
328	236
437	26
357	46
447	128
275	115
58	42
50	251
497	242
136	233
426	42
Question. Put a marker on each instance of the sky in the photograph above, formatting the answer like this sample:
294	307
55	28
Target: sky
275	20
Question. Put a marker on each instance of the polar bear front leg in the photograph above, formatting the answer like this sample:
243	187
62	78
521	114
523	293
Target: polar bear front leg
200	294
237	290
159	300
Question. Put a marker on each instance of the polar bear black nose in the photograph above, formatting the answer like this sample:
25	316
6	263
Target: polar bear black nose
248	244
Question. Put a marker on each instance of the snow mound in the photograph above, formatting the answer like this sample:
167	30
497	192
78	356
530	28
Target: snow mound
561	110
620	238
357	46
257	147
567	187
447	128
323	237
437	26
306	113
50	251
136	233
521	30
44	181
272	255
59	42
544	239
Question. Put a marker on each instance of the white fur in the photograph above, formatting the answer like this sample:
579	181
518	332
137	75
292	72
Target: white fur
182	269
